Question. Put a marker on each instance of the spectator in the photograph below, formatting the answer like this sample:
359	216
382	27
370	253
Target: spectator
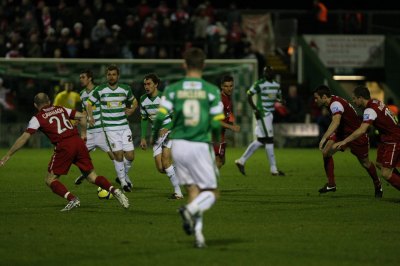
320	16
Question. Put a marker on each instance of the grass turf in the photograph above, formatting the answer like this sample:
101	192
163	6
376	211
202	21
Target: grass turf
258	220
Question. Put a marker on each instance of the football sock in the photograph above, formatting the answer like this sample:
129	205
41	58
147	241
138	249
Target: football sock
58	188
102	182
394	180
269	148
198	223
127	165
372	173
250	150
170	171
329	167
120	169
201	203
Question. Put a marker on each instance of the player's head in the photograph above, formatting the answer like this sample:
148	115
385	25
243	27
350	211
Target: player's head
40	100
268	73
322	94
150	83
194	59
361	96
86	77
227	85
112	74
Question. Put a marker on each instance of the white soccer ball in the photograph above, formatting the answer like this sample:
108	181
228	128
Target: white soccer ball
104	194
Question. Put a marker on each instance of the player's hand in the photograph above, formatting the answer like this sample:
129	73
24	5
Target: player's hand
339	145
129	111
235	128
162	132
91	121
257	114
143	144
4	160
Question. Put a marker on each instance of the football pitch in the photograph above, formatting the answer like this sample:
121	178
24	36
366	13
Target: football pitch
259	219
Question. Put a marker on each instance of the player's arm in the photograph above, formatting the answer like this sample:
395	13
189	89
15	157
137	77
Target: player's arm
233	127
89	110
131	109
356	134
161	115
19	143
332	128
143	129
82	117
253	106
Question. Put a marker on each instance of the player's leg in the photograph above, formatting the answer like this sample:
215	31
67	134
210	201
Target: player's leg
388	155
329	166
115	139
247	154
91	145
166	161
129	154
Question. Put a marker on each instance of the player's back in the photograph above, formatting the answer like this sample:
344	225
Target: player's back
193	101
268	93
54	123
350	120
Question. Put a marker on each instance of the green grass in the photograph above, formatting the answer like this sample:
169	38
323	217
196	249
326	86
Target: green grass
258	220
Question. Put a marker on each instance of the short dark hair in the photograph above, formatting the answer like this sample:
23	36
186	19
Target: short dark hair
113	67
153	77
88	73
194	58
322	90
362	91
226	78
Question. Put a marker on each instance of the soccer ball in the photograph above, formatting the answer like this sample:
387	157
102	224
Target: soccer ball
103	194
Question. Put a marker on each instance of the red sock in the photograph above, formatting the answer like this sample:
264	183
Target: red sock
102	182
329	166
58	188
394	180
372	173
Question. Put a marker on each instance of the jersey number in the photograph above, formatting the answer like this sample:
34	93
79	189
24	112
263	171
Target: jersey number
191	111
61	125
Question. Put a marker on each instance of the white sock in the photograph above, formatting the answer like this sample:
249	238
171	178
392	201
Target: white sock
250	150
127	165
198	223
120	169
201	203
269	148
174	180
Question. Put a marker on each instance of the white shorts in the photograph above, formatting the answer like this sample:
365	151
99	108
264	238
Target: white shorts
97	139
195	163
265	125
120	140
162	142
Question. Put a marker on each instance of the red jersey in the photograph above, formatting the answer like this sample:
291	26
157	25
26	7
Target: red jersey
349	121
54	122
377	114
228	112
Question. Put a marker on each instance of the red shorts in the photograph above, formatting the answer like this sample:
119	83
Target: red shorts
388	154
219	149
67	152
359	147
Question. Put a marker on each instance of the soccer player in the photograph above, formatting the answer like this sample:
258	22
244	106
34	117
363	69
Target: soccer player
68	97
116	103
268	92
197	112
226	87
95	136
377	114
69	149
344	121
149	104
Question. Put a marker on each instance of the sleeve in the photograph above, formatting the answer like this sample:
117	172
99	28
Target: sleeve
369	115
71	113
94	97
216	114
33	125
253	89
164	109
336	108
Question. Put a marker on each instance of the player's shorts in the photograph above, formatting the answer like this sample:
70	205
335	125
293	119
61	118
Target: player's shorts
194	163
97	139
120	140
359	147
219	149
162	142
388	154
264	126
67	152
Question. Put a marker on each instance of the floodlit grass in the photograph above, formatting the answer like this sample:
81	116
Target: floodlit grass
258	220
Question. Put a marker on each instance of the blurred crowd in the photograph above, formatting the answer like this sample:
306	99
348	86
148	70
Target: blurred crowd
118	29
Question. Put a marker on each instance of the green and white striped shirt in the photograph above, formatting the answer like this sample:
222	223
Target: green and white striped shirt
112	105
84	94
268	92
149	107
